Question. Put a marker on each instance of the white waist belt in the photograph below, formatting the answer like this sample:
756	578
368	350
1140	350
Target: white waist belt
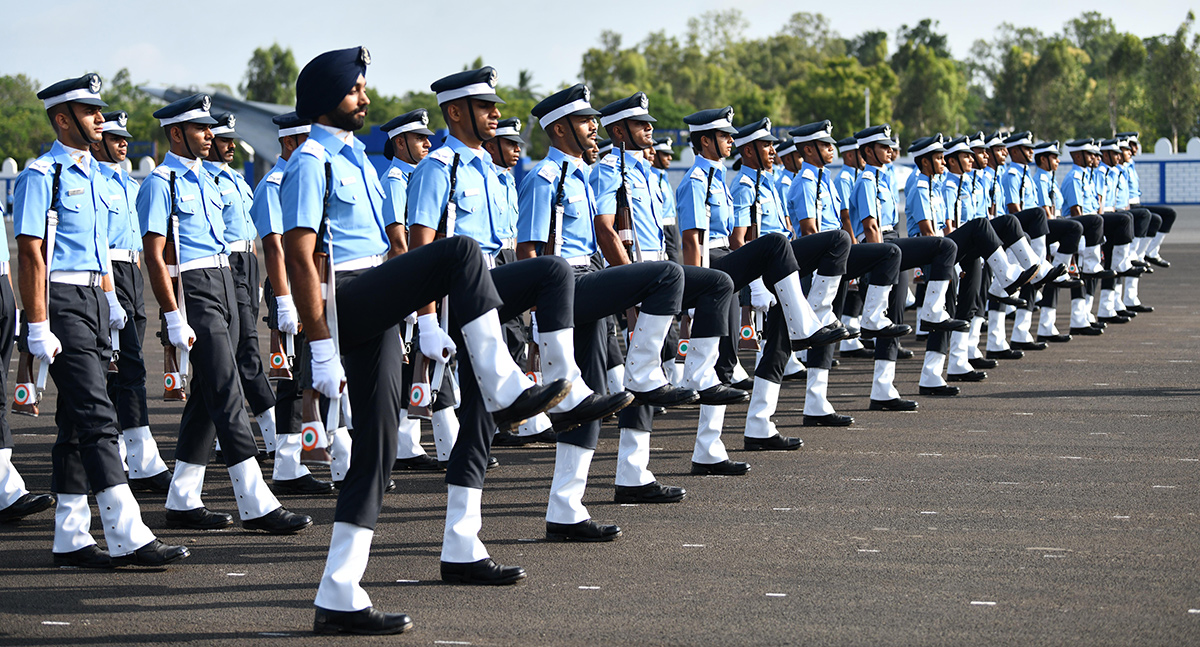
579	261
202	263
510	243
126	255
85	279
3	268
241	246
718	242
363	263
668	221
886	230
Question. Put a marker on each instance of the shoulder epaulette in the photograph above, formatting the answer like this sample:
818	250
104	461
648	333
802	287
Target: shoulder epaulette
444	155
396	172
275	178
549	172
313	147
609	160
42	165
697	173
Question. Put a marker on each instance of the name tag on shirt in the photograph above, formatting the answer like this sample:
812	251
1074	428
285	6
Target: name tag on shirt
575	198
229	190
470	192
186	198
349	179
74	191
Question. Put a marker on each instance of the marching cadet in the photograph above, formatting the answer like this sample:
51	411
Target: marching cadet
1021	200
816	207
1152	251
288	476
712	237
557	218
180	200
623	179
407	144
1081	197
1109	181
663	154
360	325
843	183
237	198
1146	224
127	387
60	218
469	102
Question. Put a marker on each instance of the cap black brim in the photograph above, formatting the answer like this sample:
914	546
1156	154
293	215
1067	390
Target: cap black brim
90	102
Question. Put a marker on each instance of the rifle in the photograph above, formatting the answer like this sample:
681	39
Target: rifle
552	247
27	395
114	336
281	356
748	335
623	222
425	390
707	220
685	334
174	361
314	434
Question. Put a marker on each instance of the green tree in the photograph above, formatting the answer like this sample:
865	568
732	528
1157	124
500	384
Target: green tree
933	87
869	47
24	127
1125	61
834	91
1173	73
271	76
1060	92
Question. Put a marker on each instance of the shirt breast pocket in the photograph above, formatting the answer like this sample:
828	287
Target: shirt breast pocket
469	200
347	193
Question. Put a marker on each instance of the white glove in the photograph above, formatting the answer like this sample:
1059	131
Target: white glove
533	329
411	319
435	343
328	377
116	314
761	299
179	333
42	343
286	319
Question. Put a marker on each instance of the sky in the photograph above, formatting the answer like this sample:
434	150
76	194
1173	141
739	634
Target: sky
414	43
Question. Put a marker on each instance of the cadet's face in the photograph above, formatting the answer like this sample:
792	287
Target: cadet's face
90	120
199	138
938	162
511	151
827	152
585	129
118	147
1000	154
1126	155
648	155
641	133
724	144
591	155
981	157
418	146
487	118
1052	162
351	113
965	161
892	154
224	147
663	160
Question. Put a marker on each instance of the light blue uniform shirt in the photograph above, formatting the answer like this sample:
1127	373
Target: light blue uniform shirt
123	229
956	196
355	197
978	195
770	206
783	186
646	201
478	193
1135	185
871	198
395	188
923	201
667	192
695	192
813	196
1078	190
1018	187
1048	194
992	191
197	203
266	211
509	202
843	183
237	197
1118	187
538	190
81	239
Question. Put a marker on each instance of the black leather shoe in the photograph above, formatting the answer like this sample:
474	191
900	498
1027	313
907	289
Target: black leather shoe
1118	319
279	522
1137	262
745	385
1016	285
666	396
367	622
720	394
306	485
485	572
26	505
86	557
894	330
593	407
418	463
1127	313
652	492
585	531
1054	339
1087	332
982	363
198	519
1009	300
949	325
1069	282
904	353
801	374
154	553
831	420
1098	324
1133	271
1158	261
503	438
944	390
219	457
724	468
860	353
533	401
1102	274
969	376
1054	273
1029	345
492	463
1005	354
1140	308
776	443
895	404
869	344
391	486
159	483
830	334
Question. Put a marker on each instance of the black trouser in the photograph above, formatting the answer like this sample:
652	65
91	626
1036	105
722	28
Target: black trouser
127	388
1034	222
515	334
880	263
1142	221
546	282
825	253
710	293
255	384
1166	213
1066	233
289	393
656	285
1120	228
216	405
935	253
86	452
7	338
370	305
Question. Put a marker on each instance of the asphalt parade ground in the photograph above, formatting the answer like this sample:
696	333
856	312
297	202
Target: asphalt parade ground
1055	503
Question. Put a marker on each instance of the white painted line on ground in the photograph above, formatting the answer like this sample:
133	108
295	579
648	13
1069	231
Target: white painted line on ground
527	540
1181	361
1099	383
1163	487
982	603
1193	610
1072	458
236	574
1189	460
55	623
589	588
1098	433
777	595
861	480
1046	548
1021	413
407	581
1120	516
693	545
450	642
629	505
929	454
928	512
881	529
782	509
1008	483
867	550
1140	415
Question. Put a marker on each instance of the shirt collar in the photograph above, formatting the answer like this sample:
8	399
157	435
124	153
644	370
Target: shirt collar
465	153
402	165
344	136
558	157
705	163
193	165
